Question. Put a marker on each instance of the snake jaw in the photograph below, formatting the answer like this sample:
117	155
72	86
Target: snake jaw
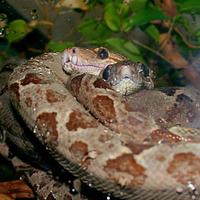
69	61
84	60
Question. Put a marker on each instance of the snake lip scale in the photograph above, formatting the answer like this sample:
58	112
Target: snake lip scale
126	153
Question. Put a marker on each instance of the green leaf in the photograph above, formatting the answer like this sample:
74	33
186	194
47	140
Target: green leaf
55	46
93	29
138	5
197	36
143	17
111	17
124	9
153	32
17	30
188	5
126	48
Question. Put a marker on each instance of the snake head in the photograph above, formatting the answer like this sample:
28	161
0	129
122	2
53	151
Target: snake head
84	60
128	77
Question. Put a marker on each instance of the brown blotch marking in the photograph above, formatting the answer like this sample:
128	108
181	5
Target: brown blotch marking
133	121
74	84
47	122
127	164
138	148
31	78
14	88
79	150
185	167
28	101
53	97
78	119
100	83
160	157
183	107
165	136
127	106
105	107
104	137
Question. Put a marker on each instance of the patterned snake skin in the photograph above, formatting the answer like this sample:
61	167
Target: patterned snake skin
145	146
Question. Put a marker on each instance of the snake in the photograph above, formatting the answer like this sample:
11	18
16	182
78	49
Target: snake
140	146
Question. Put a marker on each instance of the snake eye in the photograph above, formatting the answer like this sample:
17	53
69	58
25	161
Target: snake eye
102	53
106	73
145	70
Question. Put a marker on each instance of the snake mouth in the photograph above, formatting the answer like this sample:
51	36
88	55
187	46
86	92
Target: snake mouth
71	63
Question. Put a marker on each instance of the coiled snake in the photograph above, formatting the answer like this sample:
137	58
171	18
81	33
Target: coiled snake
145	146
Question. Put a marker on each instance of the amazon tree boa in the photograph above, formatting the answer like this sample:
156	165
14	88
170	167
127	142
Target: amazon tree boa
145	146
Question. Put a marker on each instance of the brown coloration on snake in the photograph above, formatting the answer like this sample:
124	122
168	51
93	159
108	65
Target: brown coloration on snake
185	165
79	149
28	101
183	103
48	121
75	84
31	78
14	88
138	148
53	97
102	156
100	83
127	164
128	107
77	119
133	120
165	136
104	105
160	157
104	137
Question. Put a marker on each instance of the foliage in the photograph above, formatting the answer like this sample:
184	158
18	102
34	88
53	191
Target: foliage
121	18
17	30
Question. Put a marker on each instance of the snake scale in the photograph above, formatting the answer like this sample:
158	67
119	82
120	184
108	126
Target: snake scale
144	146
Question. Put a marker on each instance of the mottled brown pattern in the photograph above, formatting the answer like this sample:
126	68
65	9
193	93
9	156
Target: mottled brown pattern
182	106
47	121
138	148
78	119
134	121
75	83
79	149
127	106
104	137
184	167
14	88
105	107
31	78
165	136
160	157
127	164
53	97
100	83
28	101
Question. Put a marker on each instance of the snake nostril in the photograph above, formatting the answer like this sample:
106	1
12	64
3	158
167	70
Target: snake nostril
73	50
